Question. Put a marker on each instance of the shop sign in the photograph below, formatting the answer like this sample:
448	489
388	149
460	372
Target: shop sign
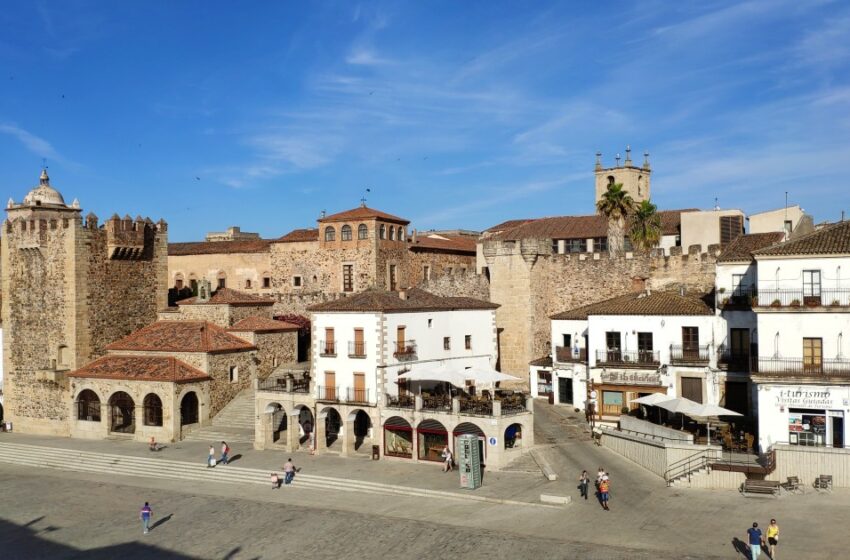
812	397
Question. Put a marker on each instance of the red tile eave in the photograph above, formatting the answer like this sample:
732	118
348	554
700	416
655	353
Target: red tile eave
118	377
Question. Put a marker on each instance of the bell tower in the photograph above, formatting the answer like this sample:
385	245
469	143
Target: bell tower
635	180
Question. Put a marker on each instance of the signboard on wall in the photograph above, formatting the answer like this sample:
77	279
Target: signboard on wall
811	397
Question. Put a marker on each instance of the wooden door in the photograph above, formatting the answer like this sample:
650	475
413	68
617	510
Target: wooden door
360	387
399	337
812	355
692	388
359	347
329	341
330	385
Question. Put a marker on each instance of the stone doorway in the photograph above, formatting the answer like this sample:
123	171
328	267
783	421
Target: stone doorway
122	417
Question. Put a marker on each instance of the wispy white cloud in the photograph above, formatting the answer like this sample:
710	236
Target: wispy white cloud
362	56
35	144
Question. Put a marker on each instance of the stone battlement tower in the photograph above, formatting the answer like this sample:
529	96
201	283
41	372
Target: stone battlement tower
635	180
69	289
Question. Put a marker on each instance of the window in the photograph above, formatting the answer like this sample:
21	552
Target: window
600	244
730	228
247	284
296	281
568	340
430	323
222	282
63	356
692	388
362	232
328	349
267	282
383	232
234	374
447	343
812	355
88	406
330	233
576	245
467	341
393	280
613	346
400	235
345	233
449	270
400	341
738	284
152	410
178	283
690	337
348	278
426	272
193	283
811	285
359	347
645	348
392	233
555	250
788	227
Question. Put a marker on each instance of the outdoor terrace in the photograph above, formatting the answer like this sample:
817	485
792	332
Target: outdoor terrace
503	404
566	355
630	359
799	298
736	298
689	355
839	367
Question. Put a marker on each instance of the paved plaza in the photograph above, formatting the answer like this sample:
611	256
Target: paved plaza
362	509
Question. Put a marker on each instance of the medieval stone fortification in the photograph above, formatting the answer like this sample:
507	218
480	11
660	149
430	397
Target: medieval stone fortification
70	287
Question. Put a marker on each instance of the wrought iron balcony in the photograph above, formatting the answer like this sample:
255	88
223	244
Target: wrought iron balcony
401	401
284	385
798	298
442	402
687	355
631	358
839	367
476	407
734	359
404	349
565	355
328	394
356	349
357	395
742	297
327	348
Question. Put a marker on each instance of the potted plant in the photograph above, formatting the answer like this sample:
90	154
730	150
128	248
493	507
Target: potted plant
624	410
754	300
776	303
835	303
722	290
795	303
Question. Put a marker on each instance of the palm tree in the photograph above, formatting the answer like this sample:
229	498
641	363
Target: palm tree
616	204
645	228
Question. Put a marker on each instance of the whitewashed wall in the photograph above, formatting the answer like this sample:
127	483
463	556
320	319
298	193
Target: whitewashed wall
773	404
787	273
342	365
781	334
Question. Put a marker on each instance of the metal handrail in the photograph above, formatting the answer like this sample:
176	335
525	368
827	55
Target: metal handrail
327	348
687	466
632	358
797	297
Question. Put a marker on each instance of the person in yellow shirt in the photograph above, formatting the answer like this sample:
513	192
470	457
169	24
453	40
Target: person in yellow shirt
772	538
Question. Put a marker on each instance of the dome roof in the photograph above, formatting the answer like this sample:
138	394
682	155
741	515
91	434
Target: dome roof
44	194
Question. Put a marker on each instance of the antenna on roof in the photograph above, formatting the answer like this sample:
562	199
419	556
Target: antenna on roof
716	205
363	200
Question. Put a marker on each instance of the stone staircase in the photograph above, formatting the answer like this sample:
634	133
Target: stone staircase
233	424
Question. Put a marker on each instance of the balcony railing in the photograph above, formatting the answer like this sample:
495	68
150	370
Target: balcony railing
443	402
404	349
631	358
327	348
325	393
401	401
356	349
565	354
357	395
833	297
734	359
688	354
513	404
798	366
283	385
626	378
742	297
476	407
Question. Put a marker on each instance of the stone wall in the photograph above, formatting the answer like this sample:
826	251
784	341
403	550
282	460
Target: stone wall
440	264
531	284
222	390
273	349
458	284
238	269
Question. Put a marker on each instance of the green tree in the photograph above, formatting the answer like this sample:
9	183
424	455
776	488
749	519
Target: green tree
645	226
617	205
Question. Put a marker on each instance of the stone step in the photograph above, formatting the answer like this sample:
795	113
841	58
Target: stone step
158	468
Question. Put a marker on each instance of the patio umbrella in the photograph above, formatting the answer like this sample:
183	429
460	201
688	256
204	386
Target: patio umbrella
708	412
486	375
681	405
440	373
653	399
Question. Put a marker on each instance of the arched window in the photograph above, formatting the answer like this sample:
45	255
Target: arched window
248	284
178	281
153	410
392	233
330	233
345	232
222	280
611	179
383	232
362	231
88	406
400	233
63	356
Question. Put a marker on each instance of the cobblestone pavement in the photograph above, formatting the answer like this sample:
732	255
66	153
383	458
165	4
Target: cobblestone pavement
36	521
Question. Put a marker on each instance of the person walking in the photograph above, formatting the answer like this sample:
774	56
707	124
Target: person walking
583	482
145	515
447	459
772	538
211	458
755	540
224	451
288	472
603	493
275	481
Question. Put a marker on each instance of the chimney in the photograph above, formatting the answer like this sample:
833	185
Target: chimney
413	239
681	290
322	215
403	295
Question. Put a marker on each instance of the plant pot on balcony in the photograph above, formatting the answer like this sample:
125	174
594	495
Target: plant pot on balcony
776	303
795	303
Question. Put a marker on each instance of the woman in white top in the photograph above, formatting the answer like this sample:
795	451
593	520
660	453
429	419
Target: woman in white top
447	456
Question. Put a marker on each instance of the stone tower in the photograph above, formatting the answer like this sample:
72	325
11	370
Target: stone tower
69	289
635	180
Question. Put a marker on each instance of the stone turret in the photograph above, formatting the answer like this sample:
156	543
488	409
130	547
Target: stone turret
635	180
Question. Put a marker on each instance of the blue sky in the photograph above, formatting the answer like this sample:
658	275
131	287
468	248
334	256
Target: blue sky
454	114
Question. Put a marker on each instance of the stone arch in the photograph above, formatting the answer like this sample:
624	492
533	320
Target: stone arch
431	439
383	232
222	279
189	409
63	356
88	406
513	436
306	422
193	283
330	233
178	281
362	232
152	406
277	417
333	425
392	233
122	413
361	426
475	429
398	437
345	233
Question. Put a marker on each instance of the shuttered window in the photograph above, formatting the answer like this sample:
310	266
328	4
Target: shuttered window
730	228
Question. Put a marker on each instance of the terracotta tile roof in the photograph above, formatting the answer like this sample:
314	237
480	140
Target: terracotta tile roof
218	247
299	235
656	303
545	361
229	296
742	247
444	243
831	240
388	302
262	324
141	368
582	227
181	336
509	224
363	213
